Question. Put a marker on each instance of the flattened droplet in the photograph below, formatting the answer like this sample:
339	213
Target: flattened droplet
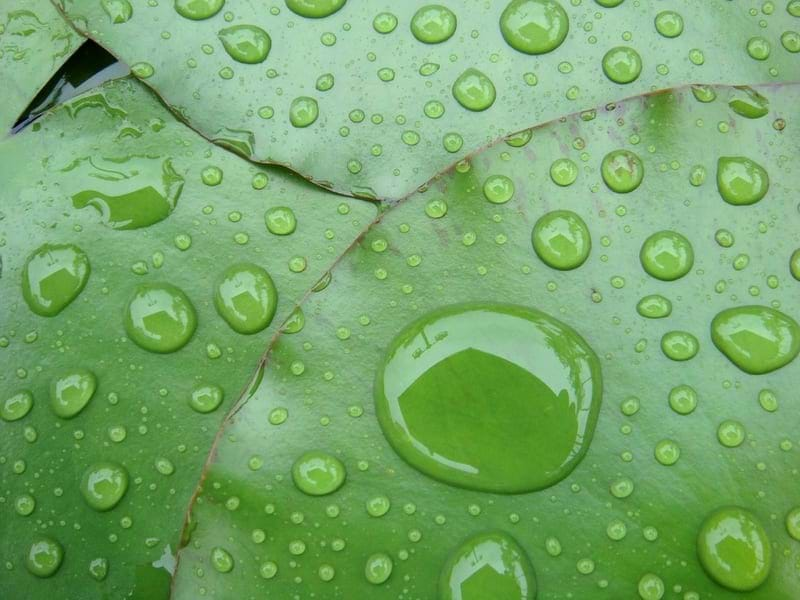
757	339
246	43
534	26
741	181
488	565
474	91
53	276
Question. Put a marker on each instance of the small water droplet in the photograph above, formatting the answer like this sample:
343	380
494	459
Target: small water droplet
16	406
378	568
654	306
221	560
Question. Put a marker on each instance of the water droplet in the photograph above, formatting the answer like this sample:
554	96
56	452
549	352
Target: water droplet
734	549
667	255
378	568
790	40
164	466
221	560
378	506
452	142
667	452
44	556
384	22
679	345
621	488
119	11
757	339
747	102
474	91
98	569
314	9
461	373
622	64
103	485
561	240
160	317
630	406
488	565
793	523
433	24
198	10
71	391
16	406
651	587
683	399
563	172
53	277
206	398
280	220
609	3
794	264
669	23
730	434
622	171
534	26
654	306
295	321
741	181
303	111
246	298
246	43
498	189
758	48
436	209
318	473
24	504
142	70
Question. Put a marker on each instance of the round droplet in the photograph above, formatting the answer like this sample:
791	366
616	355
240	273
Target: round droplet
53	276
246	298
303	111
280	220
378	506
488	565
198	9
378	568
563	172
498	189
622	171
730	433
654	306
793	523
317	473
160	318
71	391
683	399
221	560
44	556
734	549
206	398
474	91
458	375
679	345
16	406
246	43
741	181
436	209
103	485
757	339
651	587
561	240
314	9
758	48
25	505
433	24
98	568
667	452
669	23
534	26
384	22
622	64
667	255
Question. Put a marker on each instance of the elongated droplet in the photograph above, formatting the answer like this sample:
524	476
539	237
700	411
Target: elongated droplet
104	484
71	391
534	26
561	239
748	102
160	317
474	91
488	565
53	277
246	43
246	297
433	24
314	9
198	10
454	378
741	181
318	473
734	549
757	339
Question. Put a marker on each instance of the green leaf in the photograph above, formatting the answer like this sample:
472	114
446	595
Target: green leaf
112	198
35	41
373	103
393	369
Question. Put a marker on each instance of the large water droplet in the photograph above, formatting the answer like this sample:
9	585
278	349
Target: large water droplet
198	9
453	379
757	339
622	64
741	181
474	91
561	239
534	26
315	9
667	255
246	43
136	191
103	485
119	11
488	565
71	391
53	277
16	406
246	297
748	102
160	317
734	549
622	171
318	473
433	24
44	556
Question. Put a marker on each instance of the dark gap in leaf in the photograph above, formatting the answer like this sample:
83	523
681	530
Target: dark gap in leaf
89	67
